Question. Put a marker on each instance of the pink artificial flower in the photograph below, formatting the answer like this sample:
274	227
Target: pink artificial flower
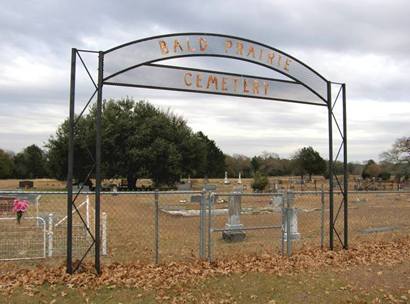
20	205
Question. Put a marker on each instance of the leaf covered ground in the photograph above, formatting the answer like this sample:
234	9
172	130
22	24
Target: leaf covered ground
369	273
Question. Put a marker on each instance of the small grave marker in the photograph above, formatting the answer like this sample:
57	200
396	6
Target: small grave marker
26	184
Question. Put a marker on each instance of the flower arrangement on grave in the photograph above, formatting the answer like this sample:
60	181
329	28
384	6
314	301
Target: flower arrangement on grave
20	206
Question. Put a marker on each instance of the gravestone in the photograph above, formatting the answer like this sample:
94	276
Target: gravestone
293	218
26	184
77	188
226	181
233	229
184	186
196	198
210	187
239	178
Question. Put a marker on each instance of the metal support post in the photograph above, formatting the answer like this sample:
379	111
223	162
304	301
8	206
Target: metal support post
156	228
69	264
98	162
330	118
345	173
322	217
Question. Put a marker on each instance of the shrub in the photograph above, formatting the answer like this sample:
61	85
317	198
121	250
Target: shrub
385	175
260	181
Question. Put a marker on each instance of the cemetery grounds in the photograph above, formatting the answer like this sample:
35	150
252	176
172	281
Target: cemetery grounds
375	269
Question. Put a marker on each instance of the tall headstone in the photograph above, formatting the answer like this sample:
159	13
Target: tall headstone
233	229
226	181
293	219
292	216
239	178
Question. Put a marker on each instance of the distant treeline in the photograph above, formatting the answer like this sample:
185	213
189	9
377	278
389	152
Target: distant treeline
142	141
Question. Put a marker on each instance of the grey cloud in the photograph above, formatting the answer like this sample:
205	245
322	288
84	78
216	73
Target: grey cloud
317	24
44	31
16	142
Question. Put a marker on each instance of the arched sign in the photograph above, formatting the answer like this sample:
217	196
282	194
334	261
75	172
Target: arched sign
143	63
136	64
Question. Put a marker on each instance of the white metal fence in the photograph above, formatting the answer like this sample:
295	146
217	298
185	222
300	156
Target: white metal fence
42	231
22	241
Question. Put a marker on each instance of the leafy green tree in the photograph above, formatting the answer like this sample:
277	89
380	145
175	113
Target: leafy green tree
6	164
30	163
84	147
139	141
255	164
308	161
215	158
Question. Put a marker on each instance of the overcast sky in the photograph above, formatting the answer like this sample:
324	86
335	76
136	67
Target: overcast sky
365	44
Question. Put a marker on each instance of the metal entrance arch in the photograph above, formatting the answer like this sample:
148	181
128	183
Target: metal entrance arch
138	64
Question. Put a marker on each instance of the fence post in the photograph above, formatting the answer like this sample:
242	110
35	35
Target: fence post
50	235
211	200
37	202
322	217
202	225
87	211
156	228
104	233
288	234
283	225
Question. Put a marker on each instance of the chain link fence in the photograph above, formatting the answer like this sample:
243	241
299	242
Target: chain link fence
151	226
244	223
378	215
155	227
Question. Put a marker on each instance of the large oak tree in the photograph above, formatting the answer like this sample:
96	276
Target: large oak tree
138	141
